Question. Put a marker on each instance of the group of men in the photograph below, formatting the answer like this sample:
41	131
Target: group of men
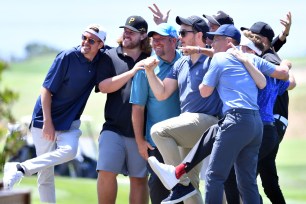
160	107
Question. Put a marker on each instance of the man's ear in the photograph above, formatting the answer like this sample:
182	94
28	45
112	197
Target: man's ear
199	35
143	36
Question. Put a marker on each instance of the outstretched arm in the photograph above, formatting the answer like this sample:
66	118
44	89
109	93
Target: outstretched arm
113	84
189	50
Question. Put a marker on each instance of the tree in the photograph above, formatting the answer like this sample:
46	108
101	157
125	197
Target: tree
10	139
36	49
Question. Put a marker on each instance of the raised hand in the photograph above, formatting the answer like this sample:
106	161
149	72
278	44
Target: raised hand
158	16
286	23
150	63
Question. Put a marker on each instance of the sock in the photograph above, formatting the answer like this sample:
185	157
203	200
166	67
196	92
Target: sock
19	168
180	170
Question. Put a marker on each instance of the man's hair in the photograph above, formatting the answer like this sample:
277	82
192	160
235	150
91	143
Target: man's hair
203	36
145	44
255	38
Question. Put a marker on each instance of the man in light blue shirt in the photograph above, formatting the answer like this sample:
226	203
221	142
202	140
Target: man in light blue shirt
239	137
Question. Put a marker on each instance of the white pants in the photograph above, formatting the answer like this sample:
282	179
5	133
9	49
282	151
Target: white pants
51	153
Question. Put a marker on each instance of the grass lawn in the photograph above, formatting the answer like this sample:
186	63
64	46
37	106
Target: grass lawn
27	77
291	172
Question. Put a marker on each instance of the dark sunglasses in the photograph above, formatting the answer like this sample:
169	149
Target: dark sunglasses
90	40
183	33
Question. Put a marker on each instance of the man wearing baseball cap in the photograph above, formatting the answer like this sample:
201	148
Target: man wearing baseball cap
147	108
55	124
219	19
263	29
197	24
215	21
241	121
197	113
267	166
136	24
118	152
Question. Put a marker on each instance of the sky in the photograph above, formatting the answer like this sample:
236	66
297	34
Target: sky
60	23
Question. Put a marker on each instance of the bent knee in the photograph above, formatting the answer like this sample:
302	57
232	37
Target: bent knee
68	152
156	130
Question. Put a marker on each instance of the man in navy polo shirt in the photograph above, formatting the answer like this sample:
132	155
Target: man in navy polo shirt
56	117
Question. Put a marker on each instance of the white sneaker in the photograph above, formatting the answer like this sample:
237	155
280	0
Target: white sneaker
11	175
165	172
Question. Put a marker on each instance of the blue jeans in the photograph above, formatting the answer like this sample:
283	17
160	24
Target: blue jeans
237	142
202	151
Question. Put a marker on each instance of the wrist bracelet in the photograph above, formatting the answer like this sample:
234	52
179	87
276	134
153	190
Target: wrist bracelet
285	34
199	50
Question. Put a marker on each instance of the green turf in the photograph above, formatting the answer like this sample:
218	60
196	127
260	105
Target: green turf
291	172
27	77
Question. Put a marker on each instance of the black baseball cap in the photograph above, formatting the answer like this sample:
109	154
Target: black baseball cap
220	18
136	23
197	23
261	28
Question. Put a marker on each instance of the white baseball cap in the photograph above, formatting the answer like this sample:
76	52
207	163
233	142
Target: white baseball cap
249	43
96	30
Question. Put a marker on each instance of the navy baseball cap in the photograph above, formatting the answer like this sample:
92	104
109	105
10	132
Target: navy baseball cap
261	28
228	30
136	23
220	18
164	29
198	23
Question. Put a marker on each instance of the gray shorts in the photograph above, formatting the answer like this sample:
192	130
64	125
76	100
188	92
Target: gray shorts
119	154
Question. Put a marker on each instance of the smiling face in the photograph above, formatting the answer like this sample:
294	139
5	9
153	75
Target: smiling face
163	45
220	43
187	36
90	45
131	39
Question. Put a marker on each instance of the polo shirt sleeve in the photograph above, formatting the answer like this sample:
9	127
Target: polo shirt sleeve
283	86
57	72
212	76
267	68
139	89
173	73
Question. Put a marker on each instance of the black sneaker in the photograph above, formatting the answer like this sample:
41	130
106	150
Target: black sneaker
180	193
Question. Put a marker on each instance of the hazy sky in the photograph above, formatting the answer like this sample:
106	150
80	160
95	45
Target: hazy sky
59	23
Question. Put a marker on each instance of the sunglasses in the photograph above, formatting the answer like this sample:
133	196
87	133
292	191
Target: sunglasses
90	40
183	33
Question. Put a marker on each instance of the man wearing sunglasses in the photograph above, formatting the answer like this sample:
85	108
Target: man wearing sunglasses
118	152
175	137
55	125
